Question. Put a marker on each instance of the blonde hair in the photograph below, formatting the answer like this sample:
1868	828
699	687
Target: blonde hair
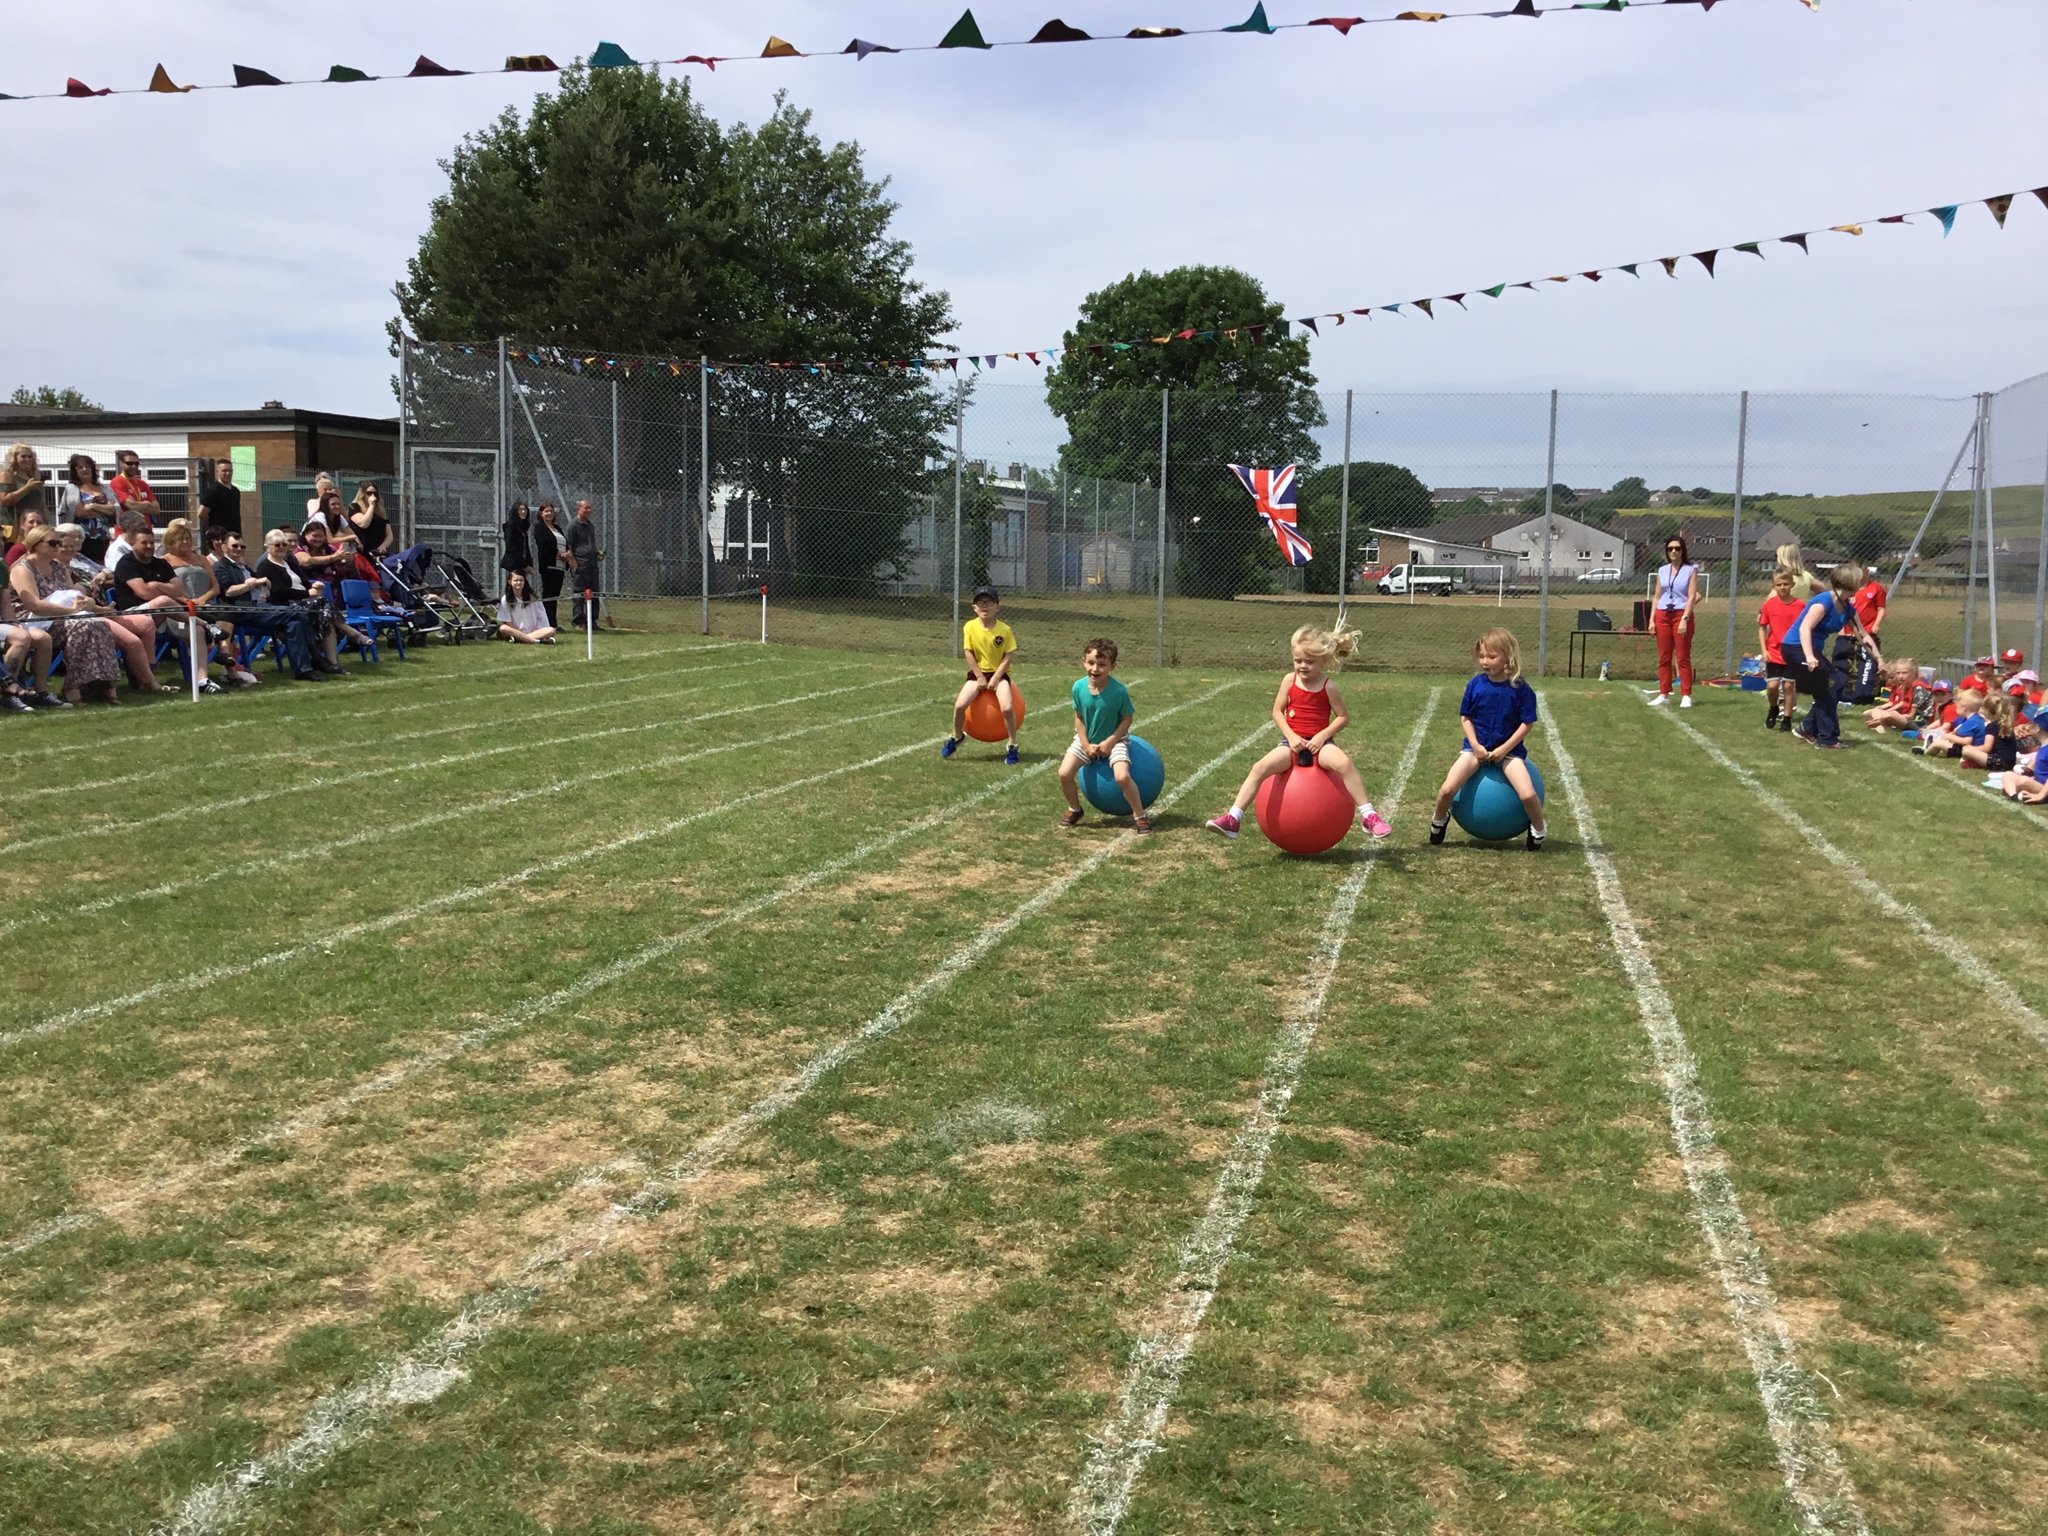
36	537
1503	642
177	537
16	452
1846	578
2001	709
1968	700
1804	582
1330	647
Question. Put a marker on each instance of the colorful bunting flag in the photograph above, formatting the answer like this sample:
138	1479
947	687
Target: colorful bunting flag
611	56
2000	207
1798	240
341	74
860	48
162	84
425	68
1706	259
778	49
245	76
1057	31
77	88
1256	22
965	34
1343	24
528	63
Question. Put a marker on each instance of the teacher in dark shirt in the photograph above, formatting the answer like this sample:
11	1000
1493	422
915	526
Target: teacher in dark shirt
222	498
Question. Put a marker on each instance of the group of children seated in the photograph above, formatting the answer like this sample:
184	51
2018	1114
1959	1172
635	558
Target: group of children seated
1993	720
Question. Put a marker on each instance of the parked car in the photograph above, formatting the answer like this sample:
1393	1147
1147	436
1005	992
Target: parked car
1400	580
1601	573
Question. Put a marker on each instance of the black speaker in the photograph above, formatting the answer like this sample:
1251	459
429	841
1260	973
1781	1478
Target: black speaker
1594	618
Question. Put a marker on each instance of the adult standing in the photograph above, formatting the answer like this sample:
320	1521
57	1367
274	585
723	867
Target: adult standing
366	517
21	486
1675	593
222	498
89	504
585	569
550	545
132	493
1805	644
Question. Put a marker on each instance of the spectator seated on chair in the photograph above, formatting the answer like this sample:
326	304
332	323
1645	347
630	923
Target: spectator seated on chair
144	582
95	643
292	587
322	562
247	595
27	647
181	553
32	518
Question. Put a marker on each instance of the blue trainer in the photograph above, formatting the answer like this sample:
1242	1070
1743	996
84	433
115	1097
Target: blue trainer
952	745
1010	756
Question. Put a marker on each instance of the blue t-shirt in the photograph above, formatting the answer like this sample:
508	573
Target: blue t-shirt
2041	766
1971	728
1101	712
1832	618
1497	709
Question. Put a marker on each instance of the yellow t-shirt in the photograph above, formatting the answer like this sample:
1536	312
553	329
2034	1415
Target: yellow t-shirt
988	643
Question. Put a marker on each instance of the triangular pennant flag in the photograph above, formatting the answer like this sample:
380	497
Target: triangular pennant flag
1630	269
163	85
1205	335
1557	279
1256	22
78	89
975	361
1601	5
1011	356
1670	265
1524	8
1591	277
1187	335
860	48
1896	218
990	359
1530	286
611	56
1498	288
1424	306
1033	356
778	49
1456	298
1420	16
1343	24
244	75
1230	334
2000	207
342	74
1057	31
1160	341
425	68
1392	309
1255	331
965	34
2042	193
1798	240
1947	215
710	63
522	64
1142	32
1706	259
1846	229
1753	248
1120	346
1311	324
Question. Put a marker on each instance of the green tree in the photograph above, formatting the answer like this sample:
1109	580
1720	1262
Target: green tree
1382	496
1561	497
1867	538
1243	401
618	216
64	399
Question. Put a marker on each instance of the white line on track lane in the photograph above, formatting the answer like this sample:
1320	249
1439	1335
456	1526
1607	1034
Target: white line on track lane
1999	989
314	1116
168	723
372	718
1814	1474
422	1374
387	770
1126	1442
292	858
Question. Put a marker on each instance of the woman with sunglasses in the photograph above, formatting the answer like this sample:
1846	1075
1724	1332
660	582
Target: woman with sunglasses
1675	591
366	516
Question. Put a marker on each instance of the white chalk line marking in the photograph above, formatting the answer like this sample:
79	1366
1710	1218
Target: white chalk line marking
350	1415
1814	1475
1102	1493
292	859
392	770
325	1112
384	740
172	724
208	975
1996	986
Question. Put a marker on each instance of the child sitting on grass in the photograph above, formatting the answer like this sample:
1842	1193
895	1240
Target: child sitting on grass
1897	711
2027	780
1963	728
1999	748
1102	729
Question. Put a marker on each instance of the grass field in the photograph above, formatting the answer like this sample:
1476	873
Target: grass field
658	1095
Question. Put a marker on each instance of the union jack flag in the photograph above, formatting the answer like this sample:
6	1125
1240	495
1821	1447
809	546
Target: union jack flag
1273	491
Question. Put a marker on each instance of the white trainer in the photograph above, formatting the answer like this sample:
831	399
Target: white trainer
1662	698
1685	702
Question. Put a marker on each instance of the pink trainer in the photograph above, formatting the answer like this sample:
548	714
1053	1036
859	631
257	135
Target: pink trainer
1227	824
1376	824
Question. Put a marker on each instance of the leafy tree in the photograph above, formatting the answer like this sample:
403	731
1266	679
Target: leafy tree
1561	496
1382	496
64	399
618	216
1867	538
1247	401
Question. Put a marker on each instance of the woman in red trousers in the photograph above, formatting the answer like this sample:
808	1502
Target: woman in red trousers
1675	592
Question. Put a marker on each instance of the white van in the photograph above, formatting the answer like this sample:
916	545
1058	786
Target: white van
1440	580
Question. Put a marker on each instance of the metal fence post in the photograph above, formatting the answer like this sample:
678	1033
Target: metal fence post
1543	578
402	478
618	555
1344	513
1990	526
1066	530
1976	500
1735	533
2041	567
503	478
959	471
704	484
1101	558
1165	419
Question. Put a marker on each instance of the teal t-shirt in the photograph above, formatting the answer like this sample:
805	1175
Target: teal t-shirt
1101	712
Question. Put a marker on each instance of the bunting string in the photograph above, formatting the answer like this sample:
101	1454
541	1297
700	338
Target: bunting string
963	34
1252	333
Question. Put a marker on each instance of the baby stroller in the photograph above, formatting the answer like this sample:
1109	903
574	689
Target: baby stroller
442	588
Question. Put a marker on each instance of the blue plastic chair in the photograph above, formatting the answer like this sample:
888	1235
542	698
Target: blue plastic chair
359	607
250	647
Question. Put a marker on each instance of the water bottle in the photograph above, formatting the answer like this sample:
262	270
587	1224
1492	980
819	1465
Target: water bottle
1603	671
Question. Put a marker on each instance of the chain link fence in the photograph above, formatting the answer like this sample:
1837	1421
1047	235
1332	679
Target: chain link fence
861	510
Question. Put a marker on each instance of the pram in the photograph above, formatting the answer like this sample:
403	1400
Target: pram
442	591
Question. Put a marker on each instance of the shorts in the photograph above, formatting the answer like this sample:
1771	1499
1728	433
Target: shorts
1120	753
1776	670
1520	750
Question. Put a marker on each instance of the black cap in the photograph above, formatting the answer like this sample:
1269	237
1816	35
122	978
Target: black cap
988	592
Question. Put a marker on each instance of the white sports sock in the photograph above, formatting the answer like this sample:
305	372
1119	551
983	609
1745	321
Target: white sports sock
1237	813
1365	810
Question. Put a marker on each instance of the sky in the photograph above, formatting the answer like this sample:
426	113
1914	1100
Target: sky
224	248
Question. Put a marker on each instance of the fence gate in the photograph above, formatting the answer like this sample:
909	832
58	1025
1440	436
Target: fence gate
455	504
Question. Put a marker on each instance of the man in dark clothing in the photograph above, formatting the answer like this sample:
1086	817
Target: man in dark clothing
249	593
584	568
222	499
144	582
